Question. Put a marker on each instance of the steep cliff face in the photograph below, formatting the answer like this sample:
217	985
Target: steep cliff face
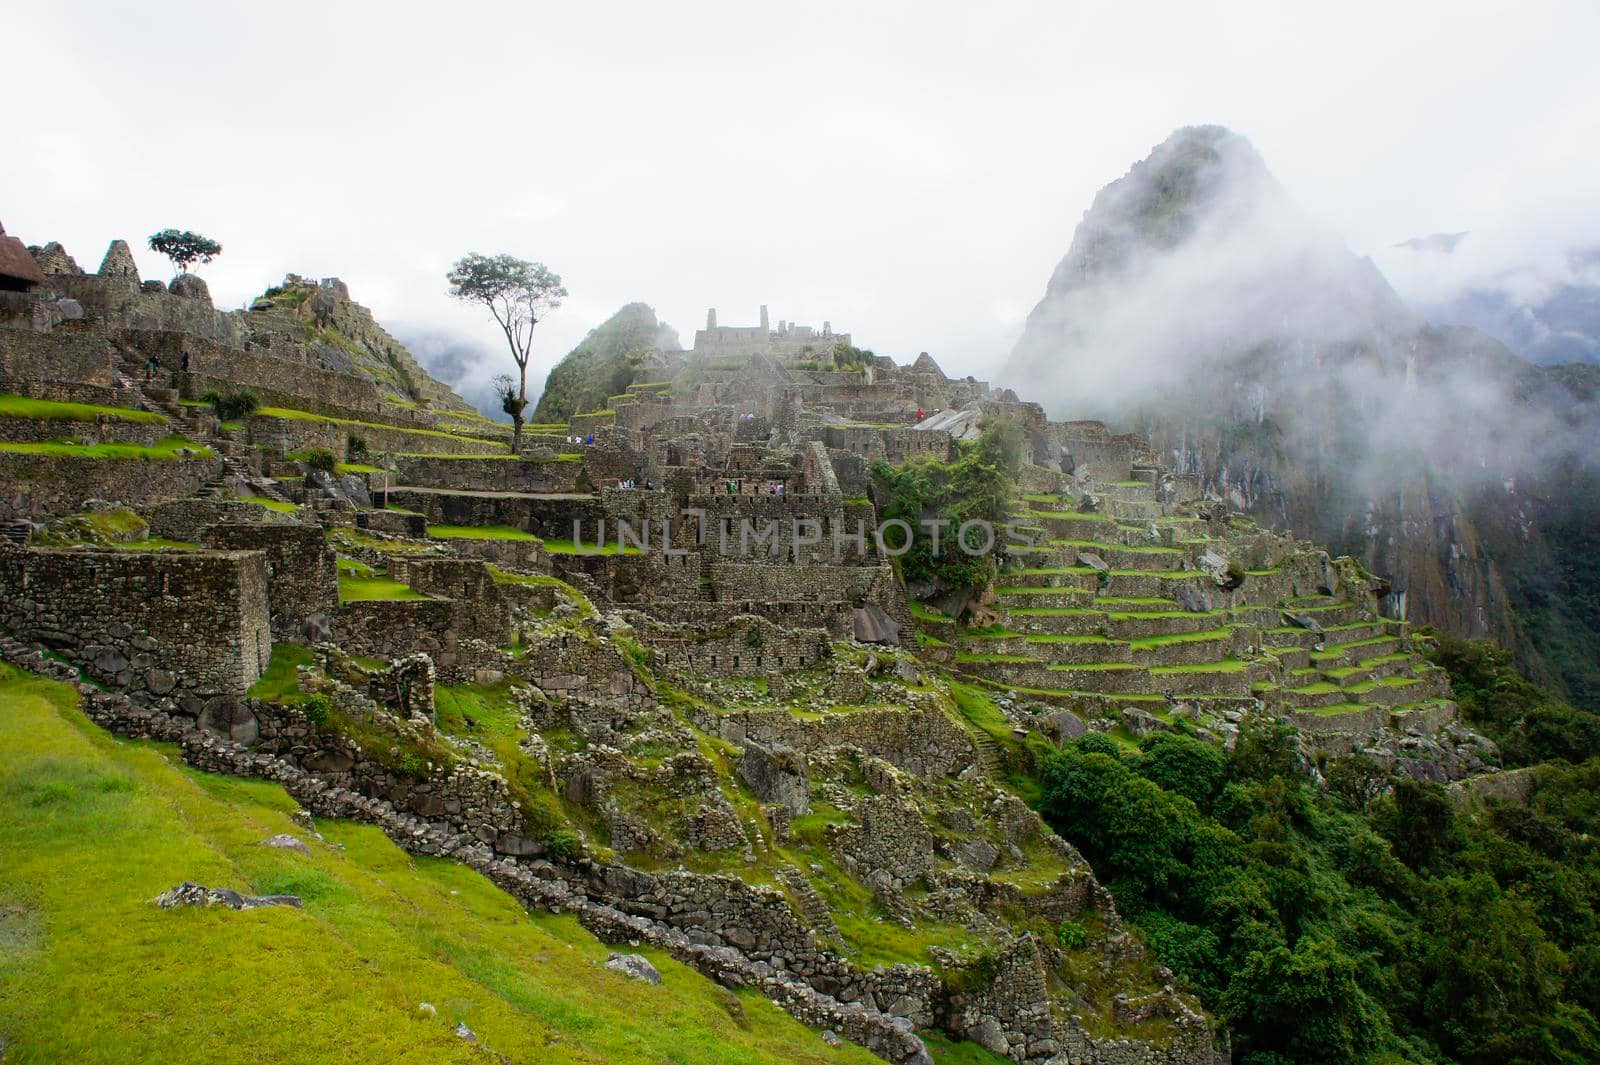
1199	306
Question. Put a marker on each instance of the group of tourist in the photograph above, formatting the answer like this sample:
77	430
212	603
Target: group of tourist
579	441
630	484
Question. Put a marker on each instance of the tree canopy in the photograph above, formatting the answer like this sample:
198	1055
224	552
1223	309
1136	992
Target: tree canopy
184	247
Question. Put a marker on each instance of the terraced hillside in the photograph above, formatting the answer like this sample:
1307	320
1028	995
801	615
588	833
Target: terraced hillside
734	735
1146	610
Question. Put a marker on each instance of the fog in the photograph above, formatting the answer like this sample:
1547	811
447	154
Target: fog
910	172
1199	297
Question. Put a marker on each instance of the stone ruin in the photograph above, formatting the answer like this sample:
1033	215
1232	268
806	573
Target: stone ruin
737	754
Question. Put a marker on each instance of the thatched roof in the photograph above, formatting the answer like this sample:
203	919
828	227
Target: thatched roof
15	262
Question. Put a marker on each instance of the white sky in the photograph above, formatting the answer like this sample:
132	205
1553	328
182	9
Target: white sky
911	171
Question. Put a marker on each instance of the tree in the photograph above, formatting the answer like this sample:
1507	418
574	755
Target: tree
505	386
519	294
184	247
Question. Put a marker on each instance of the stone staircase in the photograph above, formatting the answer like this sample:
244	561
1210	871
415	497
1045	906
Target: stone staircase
809	904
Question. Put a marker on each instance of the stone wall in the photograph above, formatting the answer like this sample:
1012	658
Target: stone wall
746	647
186	623
188	519
203	365
394	628
481	612
50	486
294	434
549	517
302	569
71	362
488	474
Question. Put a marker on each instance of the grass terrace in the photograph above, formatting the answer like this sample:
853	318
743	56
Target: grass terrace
14	406
171	447
354	587
279	505
481	532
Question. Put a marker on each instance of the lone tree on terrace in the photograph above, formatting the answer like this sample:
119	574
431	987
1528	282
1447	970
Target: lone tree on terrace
519	294
184	247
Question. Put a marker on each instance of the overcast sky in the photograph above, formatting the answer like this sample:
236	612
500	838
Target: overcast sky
910	171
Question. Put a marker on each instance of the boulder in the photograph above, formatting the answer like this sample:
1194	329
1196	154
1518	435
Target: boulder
191	287
1093	561
1142	722
1192	597
1063	726
873	625
189	893
777	775
229	719
318	628
979	855
1304	621
634	965
285	841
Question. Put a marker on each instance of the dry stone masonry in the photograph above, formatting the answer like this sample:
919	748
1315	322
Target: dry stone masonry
730	732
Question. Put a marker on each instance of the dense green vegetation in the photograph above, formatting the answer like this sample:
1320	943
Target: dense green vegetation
1554	584
615	354
1376	920
92	828
978	486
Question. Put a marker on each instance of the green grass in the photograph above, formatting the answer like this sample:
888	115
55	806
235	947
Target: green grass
568	547
357	467
354	589
13	406
166	448
481	532
1147	642
453	456
280	682
93	827
279	505
1227	665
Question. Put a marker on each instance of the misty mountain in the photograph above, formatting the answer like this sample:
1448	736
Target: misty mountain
1198	305
1547	313
631	345
465	365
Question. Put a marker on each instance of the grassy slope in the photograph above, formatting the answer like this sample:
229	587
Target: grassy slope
93	827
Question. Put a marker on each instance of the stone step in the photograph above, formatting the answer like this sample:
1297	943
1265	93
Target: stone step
1080	577
1134	510
1213	645
1125	557
1142	584
1078	650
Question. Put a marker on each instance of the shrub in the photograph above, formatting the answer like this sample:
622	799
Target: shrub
319	458
1071	934
413	765
232	406
356	446
317	708
562	843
